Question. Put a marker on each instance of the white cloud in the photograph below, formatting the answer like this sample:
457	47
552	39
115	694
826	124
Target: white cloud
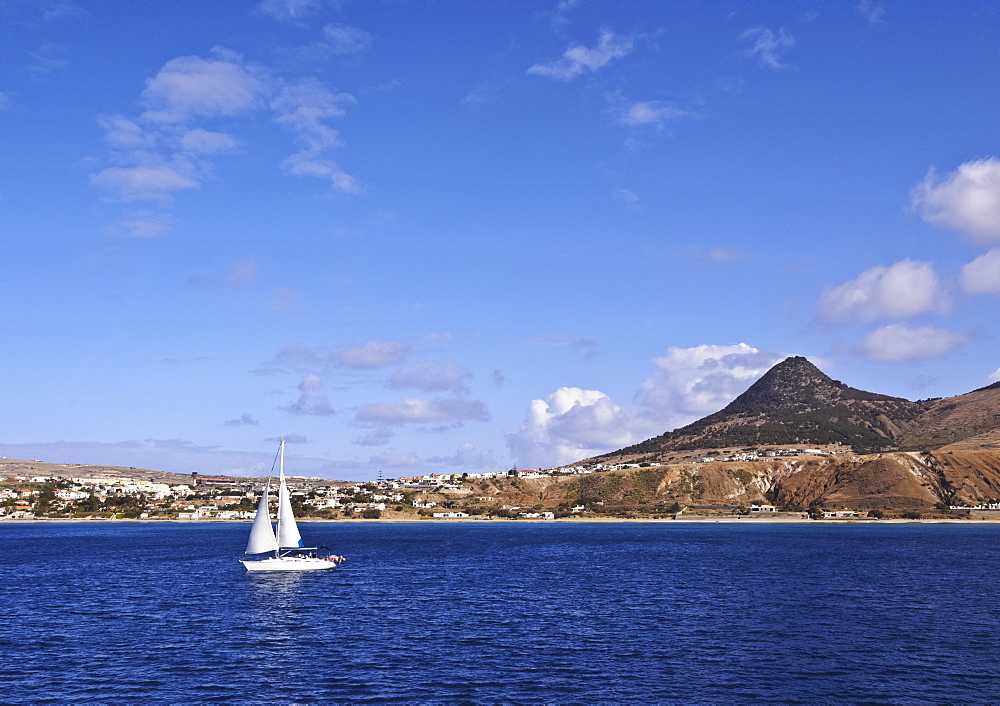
578	60
873	12
995	375
374	354
485	93
569	425
303	108
572	423
690	383
312	398
767	47
147	182
207	142
967	199
903	289
982	275
49	57
653	113
897	343
341	39
290	10
378	436
467	456
432	375
190	86
122	133
419	411
165	149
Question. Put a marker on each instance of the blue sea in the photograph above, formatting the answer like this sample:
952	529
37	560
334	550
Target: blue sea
504	612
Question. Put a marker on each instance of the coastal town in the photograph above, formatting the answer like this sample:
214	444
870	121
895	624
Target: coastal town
595	490
235	498
201	497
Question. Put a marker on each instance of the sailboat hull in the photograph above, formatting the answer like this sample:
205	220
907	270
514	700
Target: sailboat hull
289	563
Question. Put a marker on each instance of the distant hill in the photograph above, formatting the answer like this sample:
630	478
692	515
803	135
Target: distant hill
795	403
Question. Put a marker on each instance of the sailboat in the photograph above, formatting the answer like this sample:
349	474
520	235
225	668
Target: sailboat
267	551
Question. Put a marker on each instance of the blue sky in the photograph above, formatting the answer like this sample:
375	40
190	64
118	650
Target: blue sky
421	237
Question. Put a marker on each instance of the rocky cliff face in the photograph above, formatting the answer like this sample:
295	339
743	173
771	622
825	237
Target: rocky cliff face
893	482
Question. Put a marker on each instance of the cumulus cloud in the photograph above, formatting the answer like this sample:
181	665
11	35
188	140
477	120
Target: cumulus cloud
169	147
897	343
572	423
578	60
982	275
767	47
312	398
419	411
432	375
374	354
190	86
995	375
967	199
904	289
160	153
692	382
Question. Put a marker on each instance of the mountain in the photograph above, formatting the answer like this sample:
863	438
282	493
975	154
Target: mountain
795	403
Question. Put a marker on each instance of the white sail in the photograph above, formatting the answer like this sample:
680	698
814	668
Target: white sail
288	531
289	555
261	533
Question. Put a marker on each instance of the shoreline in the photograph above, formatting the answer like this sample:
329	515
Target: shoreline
693	519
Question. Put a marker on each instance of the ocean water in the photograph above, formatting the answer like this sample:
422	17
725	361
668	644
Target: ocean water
504	612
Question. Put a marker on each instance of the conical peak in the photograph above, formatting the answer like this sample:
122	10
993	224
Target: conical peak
792	381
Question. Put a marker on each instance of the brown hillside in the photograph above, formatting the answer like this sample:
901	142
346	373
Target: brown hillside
893	482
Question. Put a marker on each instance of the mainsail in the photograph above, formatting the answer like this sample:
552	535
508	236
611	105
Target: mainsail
288	531
261	533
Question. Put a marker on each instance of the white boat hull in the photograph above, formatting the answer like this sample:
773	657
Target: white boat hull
291	563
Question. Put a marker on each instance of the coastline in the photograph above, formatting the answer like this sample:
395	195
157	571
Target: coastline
693	519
